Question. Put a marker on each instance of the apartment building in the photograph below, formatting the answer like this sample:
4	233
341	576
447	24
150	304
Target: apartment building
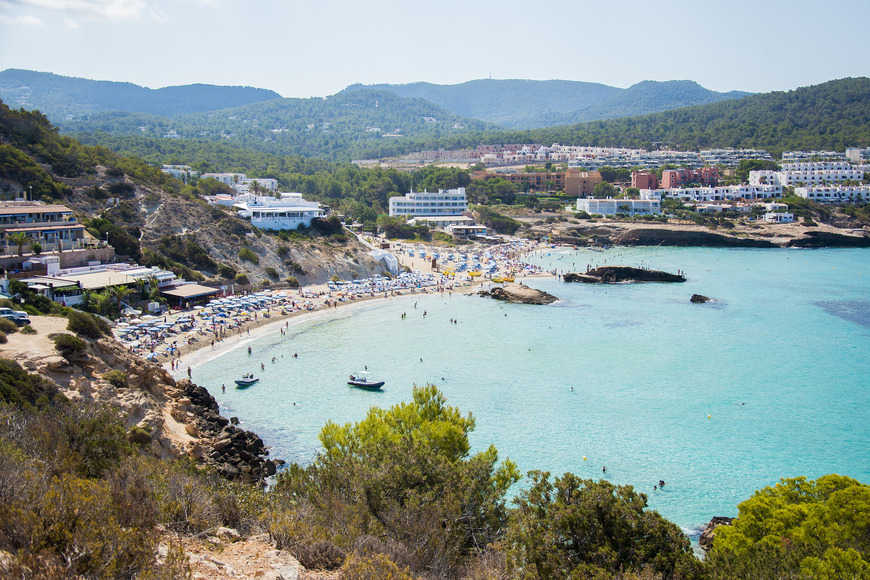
417	204
719	193
612	206
54	227
835	194
732	157
807	174
644	180
707	176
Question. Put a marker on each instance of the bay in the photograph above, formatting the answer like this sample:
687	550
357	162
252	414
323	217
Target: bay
720	399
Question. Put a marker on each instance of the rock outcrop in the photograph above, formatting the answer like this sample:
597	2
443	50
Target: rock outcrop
234	452
670	237
622	274
709	531
519	294
699	299
176	419
829	240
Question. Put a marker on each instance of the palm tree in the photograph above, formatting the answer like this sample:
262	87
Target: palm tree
119	294
20	239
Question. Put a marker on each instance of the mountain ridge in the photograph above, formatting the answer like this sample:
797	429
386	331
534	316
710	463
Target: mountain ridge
58	96
529	104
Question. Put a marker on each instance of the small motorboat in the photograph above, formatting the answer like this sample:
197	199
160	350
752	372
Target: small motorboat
361	381
246	381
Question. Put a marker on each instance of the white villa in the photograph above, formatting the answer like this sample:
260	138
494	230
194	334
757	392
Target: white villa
242	184
285	213
418	204
612	206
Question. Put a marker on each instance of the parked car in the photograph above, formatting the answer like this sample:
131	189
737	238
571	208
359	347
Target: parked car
19	317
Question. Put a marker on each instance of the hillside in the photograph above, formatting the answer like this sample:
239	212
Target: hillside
59	96
158	220
526	104
832	116
341	127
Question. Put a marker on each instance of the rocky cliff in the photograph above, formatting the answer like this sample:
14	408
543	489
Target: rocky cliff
177	419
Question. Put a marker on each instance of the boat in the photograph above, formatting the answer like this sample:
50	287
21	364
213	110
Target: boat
246	381
361	381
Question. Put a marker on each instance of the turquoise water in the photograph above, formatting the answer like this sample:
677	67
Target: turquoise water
717	400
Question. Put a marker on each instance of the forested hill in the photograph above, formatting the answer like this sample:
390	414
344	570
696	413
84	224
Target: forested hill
58	96
341	127
832	116
526	104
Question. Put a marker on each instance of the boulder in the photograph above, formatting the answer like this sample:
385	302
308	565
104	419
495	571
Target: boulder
519	294
622	274
699	299
709	531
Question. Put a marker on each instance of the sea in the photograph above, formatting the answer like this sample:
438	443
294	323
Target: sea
769	380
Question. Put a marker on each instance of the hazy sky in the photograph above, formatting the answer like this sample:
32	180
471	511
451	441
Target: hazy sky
303	48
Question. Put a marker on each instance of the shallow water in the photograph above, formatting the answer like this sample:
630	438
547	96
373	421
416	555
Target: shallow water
717	399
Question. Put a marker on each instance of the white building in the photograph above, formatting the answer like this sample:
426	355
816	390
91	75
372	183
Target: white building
181	172
809	174
778	218
419	204
833	194
718	193
285	213
612	206
242	184
732	157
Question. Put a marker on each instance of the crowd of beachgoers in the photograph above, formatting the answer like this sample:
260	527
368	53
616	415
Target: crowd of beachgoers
167	337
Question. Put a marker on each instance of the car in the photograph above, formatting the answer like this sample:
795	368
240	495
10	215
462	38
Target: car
19	317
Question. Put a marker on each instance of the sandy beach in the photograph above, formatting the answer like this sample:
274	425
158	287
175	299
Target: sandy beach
204	348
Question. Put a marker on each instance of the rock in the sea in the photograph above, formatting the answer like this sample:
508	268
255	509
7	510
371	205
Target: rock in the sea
699	299
519	294
622	274
709	533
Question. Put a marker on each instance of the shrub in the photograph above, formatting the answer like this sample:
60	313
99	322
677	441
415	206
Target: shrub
139	436
226	271
87	324
116	378
335	278
28	330
292	282
249	255
294	267
242	279
7	326
321	555
68	344
282	251
3	339
376	567
271	272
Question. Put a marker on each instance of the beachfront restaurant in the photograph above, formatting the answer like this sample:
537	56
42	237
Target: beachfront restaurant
188	295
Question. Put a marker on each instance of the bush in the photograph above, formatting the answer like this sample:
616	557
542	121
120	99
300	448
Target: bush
271	272
242	279
28	330
226	271
321	555
294	267
292	282
87	324
3	339
376	567
68	344
249	255
118	379
8	326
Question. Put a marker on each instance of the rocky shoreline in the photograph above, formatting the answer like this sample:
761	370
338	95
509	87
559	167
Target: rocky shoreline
519	294
622	275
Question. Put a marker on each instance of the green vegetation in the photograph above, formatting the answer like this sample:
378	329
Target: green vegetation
799	528
401	474
249	255
496	221
87	324
68	344
579	528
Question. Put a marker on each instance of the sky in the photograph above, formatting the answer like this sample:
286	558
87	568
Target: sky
304	48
